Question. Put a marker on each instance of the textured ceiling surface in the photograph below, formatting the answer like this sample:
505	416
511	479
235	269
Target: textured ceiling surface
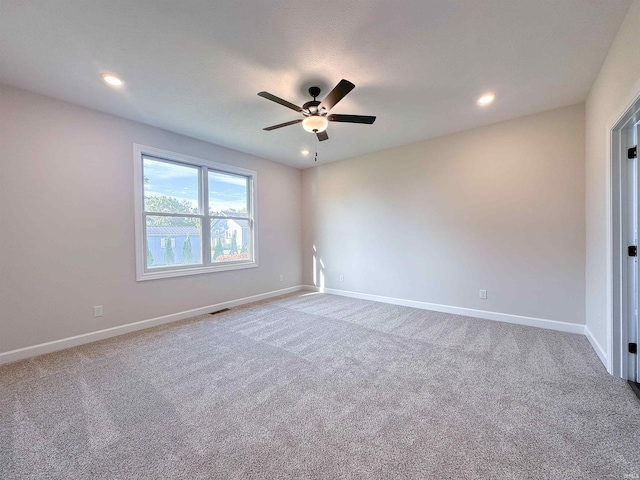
195	67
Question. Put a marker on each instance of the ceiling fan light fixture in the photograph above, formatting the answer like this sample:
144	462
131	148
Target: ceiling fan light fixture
315	123
316	113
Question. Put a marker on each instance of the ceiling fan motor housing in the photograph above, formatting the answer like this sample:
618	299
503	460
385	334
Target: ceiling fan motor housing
311	108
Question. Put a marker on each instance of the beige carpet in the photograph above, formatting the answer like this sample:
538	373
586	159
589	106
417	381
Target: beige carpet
319	386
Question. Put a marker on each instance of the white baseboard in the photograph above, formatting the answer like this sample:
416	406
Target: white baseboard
596	346
469	312
48	347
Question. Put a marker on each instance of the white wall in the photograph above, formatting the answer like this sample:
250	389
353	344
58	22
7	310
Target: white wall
505	195
499	208
67	223
606	100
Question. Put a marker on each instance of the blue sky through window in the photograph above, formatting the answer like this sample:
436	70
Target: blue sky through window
226	191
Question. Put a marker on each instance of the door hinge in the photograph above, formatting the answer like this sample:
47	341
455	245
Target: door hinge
633	348
632	152
632	250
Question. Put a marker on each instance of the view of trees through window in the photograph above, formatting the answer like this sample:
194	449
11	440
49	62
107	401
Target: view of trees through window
174	219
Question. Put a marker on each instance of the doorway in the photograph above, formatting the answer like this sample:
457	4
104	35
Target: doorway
625	225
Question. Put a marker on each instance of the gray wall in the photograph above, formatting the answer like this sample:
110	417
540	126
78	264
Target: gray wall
499	208
606	100
67	223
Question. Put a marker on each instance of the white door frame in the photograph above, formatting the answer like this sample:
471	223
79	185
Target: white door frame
617	315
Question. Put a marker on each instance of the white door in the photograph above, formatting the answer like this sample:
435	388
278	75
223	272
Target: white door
634	363
631	219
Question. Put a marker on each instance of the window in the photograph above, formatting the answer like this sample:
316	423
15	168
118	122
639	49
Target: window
192	215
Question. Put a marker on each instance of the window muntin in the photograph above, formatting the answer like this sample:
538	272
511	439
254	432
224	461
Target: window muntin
194	216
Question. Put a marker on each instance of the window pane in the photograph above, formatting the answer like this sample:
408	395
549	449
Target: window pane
173	241
230	240
228	194
170	187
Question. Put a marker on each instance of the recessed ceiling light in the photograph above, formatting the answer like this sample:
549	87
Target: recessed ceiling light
112	79
304	151
486	99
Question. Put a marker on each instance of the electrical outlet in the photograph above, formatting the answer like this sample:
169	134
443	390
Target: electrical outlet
282	278
97	311
483	294
342	278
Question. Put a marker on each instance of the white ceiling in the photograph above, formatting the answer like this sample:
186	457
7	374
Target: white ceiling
195	67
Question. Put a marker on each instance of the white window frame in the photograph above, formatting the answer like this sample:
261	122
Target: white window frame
142	272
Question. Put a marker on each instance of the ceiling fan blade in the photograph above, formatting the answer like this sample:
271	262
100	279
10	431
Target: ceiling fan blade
337	94
352	118
280	125
322	136
273	98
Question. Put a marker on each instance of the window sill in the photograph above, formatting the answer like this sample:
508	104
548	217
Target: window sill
183	272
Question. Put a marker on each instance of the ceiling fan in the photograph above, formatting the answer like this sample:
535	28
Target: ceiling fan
316	113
